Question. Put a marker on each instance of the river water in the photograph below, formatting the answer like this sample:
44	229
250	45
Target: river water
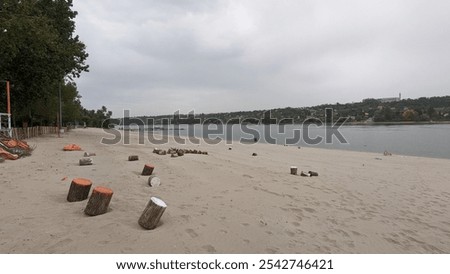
414	140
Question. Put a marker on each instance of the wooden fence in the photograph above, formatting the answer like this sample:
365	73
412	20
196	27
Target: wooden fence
30	132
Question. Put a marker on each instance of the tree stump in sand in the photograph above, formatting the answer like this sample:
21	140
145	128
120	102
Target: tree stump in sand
152	213
85	161
293	170
133	158
148	170
154	181
99	201
79	190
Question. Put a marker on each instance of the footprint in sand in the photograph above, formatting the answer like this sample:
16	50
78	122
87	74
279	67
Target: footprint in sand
310	210
191	233
209	248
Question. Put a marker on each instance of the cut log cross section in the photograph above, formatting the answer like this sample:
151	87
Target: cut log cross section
152	213
99	201
79	190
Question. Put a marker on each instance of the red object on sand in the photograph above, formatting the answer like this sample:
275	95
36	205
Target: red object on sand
72	147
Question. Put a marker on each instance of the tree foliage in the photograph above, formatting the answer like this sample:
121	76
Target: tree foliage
39	53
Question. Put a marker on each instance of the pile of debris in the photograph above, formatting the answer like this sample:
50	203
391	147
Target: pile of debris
13	149
178	151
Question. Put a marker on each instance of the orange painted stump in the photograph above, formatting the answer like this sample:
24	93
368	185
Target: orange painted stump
79	190
99	201
148	170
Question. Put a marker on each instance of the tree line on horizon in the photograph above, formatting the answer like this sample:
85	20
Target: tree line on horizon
40	55
424	109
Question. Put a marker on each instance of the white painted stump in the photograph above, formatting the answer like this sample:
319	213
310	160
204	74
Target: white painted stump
85	162
154	181
293	170
152	213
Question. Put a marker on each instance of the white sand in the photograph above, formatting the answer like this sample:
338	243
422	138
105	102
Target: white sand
227	201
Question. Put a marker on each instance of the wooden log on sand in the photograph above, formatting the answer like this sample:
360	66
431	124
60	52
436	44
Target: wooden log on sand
313	173
89	154
154	181
305	174
152	213
79	190
148	170
99	201
85	161
133	158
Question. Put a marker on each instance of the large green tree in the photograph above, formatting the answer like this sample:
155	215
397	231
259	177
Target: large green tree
39	52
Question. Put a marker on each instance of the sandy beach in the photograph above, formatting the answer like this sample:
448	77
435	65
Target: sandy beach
225	202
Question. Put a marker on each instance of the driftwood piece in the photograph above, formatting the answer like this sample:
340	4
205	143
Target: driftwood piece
152	213
305	174
154	181
85	161
99	201
133	158
79	190
313	173
148	170
89	154
293	170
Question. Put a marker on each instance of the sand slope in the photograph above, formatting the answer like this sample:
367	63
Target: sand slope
227	201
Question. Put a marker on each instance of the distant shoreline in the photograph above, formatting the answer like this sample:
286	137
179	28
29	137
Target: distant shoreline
397	123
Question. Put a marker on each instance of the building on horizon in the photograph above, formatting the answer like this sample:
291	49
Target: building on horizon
391	99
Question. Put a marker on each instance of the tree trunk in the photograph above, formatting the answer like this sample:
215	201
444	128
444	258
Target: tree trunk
152	213
148	170
99	201
79	190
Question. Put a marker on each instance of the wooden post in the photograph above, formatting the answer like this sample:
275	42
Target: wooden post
152	213
79	190
293	170
154	181
148	170
99	201
133	158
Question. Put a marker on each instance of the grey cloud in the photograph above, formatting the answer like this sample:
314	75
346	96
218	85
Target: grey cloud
159	56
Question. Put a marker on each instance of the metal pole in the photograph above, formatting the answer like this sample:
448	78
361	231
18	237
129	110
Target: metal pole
60	105
8	97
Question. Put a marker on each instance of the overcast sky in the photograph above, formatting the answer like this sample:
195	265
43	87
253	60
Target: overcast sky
158	56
